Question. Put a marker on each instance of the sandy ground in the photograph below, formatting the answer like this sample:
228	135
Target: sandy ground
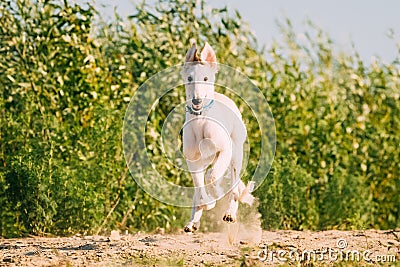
216	244
203	249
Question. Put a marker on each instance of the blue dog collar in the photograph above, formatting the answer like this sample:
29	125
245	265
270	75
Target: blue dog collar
199	112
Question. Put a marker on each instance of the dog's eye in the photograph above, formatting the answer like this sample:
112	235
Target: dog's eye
190	78
205	79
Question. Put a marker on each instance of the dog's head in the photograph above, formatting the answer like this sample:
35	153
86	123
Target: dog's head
199	75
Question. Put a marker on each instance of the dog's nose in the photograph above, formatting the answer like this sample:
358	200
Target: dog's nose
196	101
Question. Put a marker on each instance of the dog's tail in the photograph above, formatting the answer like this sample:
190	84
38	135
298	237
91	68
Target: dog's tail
245	195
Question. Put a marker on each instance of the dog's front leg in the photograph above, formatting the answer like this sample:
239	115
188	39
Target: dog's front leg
221	164
201	200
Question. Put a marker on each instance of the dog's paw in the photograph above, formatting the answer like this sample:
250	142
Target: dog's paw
191	227
229	218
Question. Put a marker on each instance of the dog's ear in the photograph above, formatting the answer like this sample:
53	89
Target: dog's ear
191	55
208	54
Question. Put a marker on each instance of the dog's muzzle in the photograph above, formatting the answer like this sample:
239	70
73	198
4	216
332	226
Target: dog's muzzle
197	107
196	101
197	104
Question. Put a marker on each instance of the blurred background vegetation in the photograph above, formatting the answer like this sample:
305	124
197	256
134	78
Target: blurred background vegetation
66	78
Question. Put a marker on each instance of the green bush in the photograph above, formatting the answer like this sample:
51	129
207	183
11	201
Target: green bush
29	196
338	117
67	78
286	199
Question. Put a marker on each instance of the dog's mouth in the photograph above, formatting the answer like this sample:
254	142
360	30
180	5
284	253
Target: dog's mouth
197	107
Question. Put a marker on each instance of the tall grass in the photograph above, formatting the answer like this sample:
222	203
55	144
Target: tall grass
66	80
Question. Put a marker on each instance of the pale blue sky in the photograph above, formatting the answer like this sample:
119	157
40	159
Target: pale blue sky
364	22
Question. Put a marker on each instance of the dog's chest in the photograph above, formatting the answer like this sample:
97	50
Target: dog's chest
210	128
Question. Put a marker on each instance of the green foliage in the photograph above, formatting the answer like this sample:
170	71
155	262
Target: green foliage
66	80
340	118
48	119
30	196
286	198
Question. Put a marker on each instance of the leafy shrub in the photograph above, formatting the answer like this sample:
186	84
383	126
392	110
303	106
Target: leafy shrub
286	199
30	197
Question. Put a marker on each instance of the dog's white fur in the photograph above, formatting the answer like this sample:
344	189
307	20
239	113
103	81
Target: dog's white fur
215	137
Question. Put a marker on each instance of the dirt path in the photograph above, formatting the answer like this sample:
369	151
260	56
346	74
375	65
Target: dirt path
203	249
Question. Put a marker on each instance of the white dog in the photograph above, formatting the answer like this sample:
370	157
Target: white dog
213	135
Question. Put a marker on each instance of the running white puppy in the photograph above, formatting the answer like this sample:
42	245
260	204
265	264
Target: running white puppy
213	135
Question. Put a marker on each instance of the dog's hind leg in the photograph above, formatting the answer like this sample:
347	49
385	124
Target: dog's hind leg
239	191
236	165
230	214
